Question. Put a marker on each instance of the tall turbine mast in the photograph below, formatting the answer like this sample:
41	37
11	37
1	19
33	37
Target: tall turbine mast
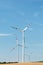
23	40
23	43
28	54
17	50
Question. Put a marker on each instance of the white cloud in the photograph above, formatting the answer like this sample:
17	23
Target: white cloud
1	35
2	20
37	0
38	24
6	6
41	6
20	12
36	14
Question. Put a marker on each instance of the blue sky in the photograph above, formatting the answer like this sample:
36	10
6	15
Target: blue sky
21	13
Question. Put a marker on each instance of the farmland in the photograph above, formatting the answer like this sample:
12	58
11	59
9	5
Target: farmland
35	63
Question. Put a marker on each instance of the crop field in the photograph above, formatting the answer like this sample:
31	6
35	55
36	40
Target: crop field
36	63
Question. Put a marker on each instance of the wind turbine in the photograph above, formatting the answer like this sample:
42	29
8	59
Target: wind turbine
23	40
29	55
17	47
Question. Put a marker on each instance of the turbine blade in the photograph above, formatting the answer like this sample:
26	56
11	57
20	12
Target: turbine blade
13	49
13	27
26	27
19	45
16	28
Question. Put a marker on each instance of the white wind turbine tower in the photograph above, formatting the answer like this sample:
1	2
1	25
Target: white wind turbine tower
23	40
28	54
17	49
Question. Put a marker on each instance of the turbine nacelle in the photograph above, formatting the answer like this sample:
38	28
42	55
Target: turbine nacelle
23	30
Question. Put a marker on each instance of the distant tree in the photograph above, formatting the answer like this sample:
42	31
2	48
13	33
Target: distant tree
4	62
